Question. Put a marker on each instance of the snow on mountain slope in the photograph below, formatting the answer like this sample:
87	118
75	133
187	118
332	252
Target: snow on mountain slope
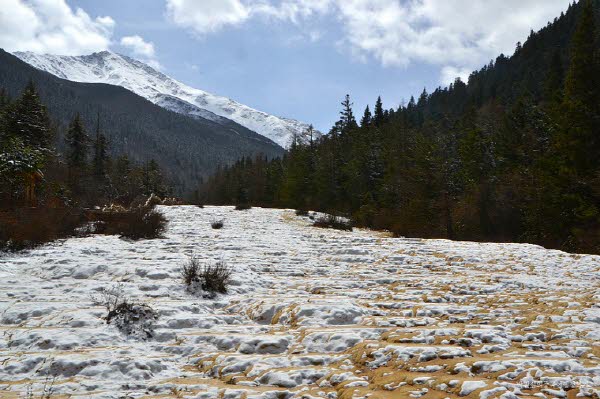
120	70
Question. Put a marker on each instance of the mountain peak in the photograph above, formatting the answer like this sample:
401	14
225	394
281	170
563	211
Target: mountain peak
103	53
142	79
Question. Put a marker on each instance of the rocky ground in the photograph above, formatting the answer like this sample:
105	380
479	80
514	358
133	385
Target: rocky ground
311	313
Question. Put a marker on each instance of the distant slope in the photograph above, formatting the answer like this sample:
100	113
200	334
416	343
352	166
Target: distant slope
511	156
187	148
120	70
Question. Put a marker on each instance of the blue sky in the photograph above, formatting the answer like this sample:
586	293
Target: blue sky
291	58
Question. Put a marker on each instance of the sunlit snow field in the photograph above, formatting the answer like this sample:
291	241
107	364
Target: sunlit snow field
312	313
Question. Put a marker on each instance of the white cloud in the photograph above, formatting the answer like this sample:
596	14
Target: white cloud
142	50
139	46
51	26
450	73
457	35
207	15
292	10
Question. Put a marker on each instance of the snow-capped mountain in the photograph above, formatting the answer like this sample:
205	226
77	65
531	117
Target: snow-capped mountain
120	70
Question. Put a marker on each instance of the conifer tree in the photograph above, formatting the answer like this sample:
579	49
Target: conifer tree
347	120
310	133
582	77
4	99
554	84
378	117
153	181
423	98
77	145
581	134
100	160
512	155
121	177
28	119
4	105
366	119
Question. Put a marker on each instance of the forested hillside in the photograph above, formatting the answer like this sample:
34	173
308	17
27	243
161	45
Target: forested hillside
33	174
512	155
187	149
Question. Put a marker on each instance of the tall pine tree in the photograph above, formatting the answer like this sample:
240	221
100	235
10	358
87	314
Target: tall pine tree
28	119
366	119
378	117
77	145
100	160
581	122
347	120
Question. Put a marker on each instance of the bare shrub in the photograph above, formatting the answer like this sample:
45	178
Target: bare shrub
134	319
216	278
109	297
333	222
217	224
48	389
131	318
144	223
322	222
136	223
190	272
26	228
211	278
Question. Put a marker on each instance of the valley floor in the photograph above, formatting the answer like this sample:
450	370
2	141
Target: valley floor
312	313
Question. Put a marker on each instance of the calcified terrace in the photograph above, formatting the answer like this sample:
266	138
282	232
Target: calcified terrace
312	313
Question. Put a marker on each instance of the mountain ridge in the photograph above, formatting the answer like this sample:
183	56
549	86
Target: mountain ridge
188	149
161	89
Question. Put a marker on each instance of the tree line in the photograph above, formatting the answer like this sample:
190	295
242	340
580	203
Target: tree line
512	155
33	173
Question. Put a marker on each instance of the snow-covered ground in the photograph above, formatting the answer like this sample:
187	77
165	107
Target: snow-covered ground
312	314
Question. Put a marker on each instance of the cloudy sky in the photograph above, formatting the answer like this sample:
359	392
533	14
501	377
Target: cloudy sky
293	58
